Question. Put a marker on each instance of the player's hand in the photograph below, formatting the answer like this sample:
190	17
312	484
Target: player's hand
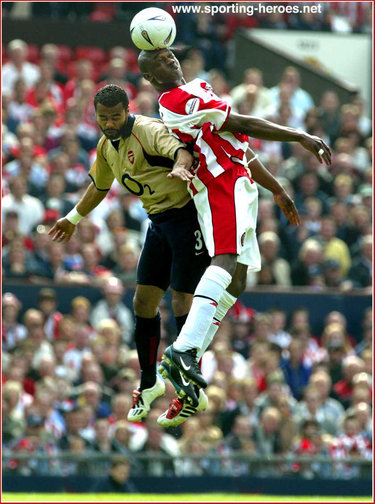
181	172
62	230
317	146
285	202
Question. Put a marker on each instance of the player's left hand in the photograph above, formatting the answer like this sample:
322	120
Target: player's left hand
318	147
285	202
181	172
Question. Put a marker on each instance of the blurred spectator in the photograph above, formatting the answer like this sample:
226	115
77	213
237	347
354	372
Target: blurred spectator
270	397
279	335
83	70
73	357
300	100
91	394
117	480
329	408
360	272
329	114
158	443
251	97
312	444
54	197
296	372
275	270
74	422
344	388
18	66
351	443
117	73
12	331
47	302
267	432
29	209
239	439
13	419
18	110
288	426
334	248
309	263
112	307
50	53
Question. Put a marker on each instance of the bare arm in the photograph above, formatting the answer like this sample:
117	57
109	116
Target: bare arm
267	130
182	165
90	199
265	178
63	228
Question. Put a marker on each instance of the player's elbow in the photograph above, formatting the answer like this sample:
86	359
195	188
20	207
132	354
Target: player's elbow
238	124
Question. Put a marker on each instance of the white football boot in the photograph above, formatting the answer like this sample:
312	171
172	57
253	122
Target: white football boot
142	400
181	409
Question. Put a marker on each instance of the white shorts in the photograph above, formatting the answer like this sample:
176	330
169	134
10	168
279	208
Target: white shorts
227	213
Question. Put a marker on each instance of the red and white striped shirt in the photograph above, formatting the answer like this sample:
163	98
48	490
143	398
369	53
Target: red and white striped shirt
194	114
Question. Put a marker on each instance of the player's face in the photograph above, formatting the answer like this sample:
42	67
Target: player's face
112	120
165	67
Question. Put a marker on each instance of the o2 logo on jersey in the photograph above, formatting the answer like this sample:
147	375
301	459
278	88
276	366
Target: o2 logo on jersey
131	156
192	106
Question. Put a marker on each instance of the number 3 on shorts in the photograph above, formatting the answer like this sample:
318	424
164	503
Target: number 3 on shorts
199	241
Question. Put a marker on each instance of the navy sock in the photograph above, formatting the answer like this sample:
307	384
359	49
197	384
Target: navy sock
147	338
180	321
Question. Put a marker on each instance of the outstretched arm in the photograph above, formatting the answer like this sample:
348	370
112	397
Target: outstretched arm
262	176
64	227
267	130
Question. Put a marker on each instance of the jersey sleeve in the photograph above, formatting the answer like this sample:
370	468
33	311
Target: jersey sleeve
100	172
194	104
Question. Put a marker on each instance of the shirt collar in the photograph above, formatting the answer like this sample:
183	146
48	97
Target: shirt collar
129	126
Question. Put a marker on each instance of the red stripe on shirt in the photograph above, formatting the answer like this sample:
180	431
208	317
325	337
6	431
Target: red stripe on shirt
223	213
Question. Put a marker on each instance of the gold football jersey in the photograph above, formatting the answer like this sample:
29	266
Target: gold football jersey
144	158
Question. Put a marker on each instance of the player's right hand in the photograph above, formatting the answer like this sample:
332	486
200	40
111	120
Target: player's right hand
62	230
317	146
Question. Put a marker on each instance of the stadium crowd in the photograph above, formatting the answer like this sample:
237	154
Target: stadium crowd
274	387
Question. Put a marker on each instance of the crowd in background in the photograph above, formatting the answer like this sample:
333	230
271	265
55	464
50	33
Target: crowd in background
274	387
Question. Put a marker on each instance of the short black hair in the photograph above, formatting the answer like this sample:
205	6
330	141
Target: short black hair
111	95
144	59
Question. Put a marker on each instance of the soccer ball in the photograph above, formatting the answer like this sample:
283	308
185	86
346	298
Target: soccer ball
152	29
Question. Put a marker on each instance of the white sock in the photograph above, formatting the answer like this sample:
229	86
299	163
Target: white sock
226	302
206	299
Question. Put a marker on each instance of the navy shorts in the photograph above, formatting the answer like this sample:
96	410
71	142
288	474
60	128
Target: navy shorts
174	253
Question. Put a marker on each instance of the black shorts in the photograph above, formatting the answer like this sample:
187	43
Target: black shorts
174	253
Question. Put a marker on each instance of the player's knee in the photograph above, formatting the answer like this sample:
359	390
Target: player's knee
226	261
239	280
143	307
181	303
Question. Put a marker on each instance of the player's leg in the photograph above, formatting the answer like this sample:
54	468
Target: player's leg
189	398
147	330
217	217
147	337
190	260
151	284
227	300
246	205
